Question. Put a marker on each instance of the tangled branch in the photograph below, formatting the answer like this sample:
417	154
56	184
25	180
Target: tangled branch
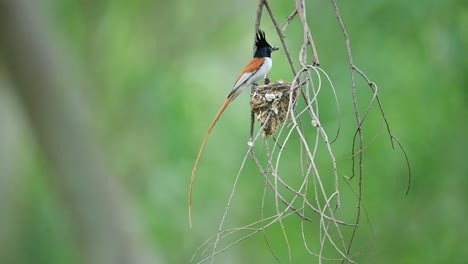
288	112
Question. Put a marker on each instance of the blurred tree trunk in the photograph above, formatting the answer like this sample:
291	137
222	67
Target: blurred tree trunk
99	211
12	185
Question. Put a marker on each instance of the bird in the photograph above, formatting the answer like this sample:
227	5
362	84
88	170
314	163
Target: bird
256	69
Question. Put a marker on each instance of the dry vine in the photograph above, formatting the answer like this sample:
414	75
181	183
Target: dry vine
316	199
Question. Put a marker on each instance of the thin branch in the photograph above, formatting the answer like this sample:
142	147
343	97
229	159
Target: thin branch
308	35
289	20
358	120
281	36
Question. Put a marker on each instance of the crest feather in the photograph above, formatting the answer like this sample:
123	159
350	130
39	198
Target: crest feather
261	42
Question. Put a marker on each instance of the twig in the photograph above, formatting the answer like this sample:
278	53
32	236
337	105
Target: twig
296	211
281	36
358	120
307	34
288	20
231	196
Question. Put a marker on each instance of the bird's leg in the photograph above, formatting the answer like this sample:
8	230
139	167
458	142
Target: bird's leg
266	80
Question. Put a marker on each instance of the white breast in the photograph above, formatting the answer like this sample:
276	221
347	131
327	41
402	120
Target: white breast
263	71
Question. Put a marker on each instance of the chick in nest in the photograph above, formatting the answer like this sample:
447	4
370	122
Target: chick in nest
270	105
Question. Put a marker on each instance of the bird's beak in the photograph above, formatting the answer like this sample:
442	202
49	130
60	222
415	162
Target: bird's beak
274	48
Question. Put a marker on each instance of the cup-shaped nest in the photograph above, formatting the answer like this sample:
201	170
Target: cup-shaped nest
270	105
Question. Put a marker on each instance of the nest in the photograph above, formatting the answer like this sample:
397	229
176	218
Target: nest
270	105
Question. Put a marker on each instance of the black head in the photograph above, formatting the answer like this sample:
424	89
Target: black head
263	48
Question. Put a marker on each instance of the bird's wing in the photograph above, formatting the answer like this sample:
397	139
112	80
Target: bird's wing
249	70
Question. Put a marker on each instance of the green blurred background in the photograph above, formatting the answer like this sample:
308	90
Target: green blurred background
159	70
